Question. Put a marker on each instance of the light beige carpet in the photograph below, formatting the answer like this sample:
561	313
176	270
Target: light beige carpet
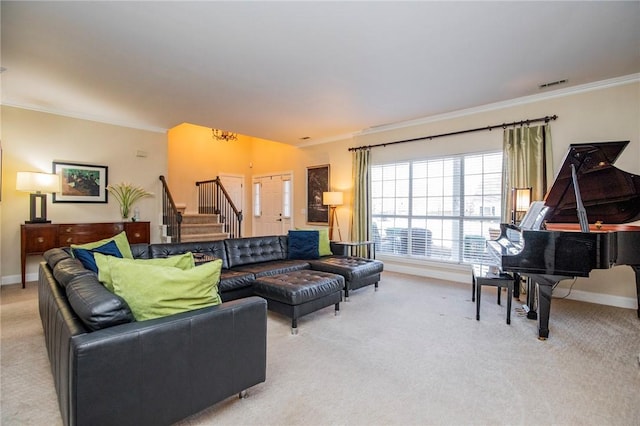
411	353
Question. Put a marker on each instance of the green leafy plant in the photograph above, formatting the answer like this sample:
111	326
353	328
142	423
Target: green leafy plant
127	194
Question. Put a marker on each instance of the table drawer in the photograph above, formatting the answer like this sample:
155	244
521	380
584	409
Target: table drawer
137	232
86	233
39	239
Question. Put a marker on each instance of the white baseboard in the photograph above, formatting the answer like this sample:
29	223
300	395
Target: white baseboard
599	298
17	279
462	274
456	273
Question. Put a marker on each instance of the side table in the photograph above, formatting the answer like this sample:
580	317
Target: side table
200	258
36	238
350	247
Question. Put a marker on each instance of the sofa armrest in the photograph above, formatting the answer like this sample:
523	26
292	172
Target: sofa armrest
162	370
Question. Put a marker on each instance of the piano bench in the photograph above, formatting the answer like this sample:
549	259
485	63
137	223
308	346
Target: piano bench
482	275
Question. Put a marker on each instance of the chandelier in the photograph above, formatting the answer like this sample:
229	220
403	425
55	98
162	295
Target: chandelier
223	135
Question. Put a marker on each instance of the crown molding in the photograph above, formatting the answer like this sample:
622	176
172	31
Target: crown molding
568	91
87	117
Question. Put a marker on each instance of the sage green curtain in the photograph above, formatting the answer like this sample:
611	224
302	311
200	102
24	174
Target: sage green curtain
527	162
361	217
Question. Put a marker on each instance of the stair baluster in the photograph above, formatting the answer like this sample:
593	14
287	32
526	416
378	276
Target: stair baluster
213	198
171	216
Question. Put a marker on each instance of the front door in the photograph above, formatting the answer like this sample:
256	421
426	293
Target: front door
272	199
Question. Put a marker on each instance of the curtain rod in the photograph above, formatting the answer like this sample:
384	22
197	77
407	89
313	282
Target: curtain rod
546	119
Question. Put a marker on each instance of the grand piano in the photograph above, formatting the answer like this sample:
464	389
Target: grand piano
583	224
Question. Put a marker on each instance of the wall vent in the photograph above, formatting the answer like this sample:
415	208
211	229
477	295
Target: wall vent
551	84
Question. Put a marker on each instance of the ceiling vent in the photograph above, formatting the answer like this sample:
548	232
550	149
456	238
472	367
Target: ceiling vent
553	83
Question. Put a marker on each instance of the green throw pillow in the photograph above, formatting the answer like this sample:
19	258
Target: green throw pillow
324	247
182	261
153	291
121	242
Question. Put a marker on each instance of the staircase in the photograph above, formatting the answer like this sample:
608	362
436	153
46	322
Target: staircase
202	227
217	217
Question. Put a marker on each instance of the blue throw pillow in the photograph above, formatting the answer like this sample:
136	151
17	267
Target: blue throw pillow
304	244
85	256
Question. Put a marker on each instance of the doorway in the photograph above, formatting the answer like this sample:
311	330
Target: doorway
272	204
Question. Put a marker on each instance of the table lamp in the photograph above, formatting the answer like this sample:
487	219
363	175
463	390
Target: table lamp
39	185
333	200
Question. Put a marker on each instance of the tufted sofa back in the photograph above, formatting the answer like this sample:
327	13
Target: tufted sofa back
242	251
140	251
207	248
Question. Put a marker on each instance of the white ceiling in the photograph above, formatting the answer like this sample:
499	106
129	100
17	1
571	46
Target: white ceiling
287	70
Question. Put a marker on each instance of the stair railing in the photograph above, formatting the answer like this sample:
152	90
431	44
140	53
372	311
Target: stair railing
171	217
214	199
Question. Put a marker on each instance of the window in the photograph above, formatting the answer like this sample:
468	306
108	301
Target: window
440	209
286	197
257	207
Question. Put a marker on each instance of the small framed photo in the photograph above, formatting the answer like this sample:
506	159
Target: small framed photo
81	183
317	183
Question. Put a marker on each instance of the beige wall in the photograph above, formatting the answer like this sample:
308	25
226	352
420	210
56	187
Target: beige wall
606	114
194	155
32	140
280	157
609	113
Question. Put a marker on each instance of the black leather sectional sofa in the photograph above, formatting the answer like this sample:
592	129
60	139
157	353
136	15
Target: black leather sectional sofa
245	259
109	369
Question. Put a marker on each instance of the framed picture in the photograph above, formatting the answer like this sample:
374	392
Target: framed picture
81	183
317	183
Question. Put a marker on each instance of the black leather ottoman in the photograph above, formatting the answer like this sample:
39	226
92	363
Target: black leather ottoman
298	293
357	271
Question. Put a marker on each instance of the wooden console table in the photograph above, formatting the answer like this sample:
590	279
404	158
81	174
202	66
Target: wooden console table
36	238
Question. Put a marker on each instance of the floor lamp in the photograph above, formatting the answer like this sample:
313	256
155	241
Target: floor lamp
520	201
39	185
333	200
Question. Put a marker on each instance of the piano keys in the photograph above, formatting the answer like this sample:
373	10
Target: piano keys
549	246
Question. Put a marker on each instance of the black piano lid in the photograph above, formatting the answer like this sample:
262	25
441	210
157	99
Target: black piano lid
609	195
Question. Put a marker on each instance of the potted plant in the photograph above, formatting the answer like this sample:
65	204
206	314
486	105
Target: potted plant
127	194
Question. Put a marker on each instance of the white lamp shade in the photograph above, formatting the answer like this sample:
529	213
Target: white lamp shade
332	198
523	199
45	183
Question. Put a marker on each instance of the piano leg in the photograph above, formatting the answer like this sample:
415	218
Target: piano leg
530	307
516	285
544	308
636	269
544	287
